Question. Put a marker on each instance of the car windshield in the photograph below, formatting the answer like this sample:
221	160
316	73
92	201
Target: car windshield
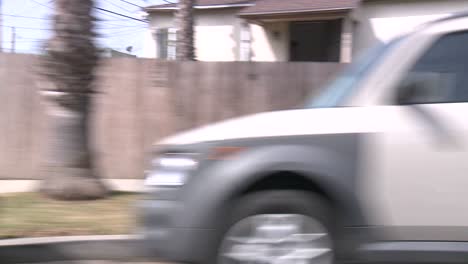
345	83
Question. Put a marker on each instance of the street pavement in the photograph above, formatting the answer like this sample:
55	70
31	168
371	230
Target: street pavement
98	262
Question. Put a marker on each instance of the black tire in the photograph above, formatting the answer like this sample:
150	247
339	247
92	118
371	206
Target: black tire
277	202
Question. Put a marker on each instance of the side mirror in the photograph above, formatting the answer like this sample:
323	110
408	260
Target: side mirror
412	92
420	88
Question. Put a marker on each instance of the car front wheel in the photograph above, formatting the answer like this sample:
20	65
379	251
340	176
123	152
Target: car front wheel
278	227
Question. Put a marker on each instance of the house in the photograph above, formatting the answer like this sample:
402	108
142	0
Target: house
291	30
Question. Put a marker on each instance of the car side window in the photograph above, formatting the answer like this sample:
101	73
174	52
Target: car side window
440	75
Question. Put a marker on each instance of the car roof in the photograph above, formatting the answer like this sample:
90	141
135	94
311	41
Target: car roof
462	14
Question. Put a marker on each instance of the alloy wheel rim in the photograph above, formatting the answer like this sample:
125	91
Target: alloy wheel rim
277	239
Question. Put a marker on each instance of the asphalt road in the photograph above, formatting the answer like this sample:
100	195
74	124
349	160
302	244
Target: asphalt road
99	262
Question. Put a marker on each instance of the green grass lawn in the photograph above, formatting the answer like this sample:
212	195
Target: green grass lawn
32	215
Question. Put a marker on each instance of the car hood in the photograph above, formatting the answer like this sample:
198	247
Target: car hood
286	123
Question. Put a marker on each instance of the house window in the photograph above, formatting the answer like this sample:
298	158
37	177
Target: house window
245	42
166	43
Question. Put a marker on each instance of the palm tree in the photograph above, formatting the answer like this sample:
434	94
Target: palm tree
185	51
69	65
185	38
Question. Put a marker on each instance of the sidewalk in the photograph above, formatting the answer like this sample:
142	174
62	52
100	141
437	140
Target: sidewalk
15	186
74	249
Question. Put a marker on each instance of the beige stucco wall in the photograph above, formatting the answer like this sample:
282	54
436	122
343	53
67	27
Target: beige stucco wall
270	41
217	36
381	20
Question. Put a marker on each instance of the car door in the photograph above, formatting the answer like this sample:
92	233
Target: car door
416	165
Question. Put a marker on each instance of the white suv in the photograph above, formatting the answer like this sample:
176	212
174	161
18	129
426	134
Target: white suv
376	169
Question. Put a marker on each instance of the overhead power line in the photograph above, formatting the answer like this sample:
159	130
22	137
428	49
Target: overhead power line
100	21
98	8
41	4
119	7
130	3
100	28
101	9
118	14
120	25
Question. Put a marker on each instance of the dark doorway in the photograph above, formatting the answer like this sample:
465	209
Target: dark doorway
315	41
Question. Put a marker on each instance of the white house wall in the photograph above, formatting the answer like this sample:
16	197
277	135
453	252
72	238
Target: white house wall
381	20
216	34
160	20
149	45
270	41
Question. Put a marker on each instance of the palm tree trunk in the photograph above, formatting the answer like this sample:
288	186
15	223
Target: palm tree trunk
185	38
185	51
72	57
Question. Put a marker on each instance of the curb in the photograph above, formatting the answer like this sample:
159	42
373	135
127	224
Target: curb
19	186
49	249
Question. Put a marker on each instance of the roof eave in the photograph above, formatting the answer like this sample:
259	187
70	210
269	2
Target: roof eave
173	8
273	13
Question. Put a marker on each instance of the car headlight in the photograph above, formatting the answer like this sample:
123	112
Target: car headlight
170	171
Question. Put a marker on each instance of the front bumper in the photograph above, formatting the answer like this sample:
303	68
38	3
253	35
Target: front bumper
165	240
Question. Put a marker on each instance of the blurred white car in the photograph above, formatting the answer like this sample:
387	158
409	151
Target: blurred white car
375	169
